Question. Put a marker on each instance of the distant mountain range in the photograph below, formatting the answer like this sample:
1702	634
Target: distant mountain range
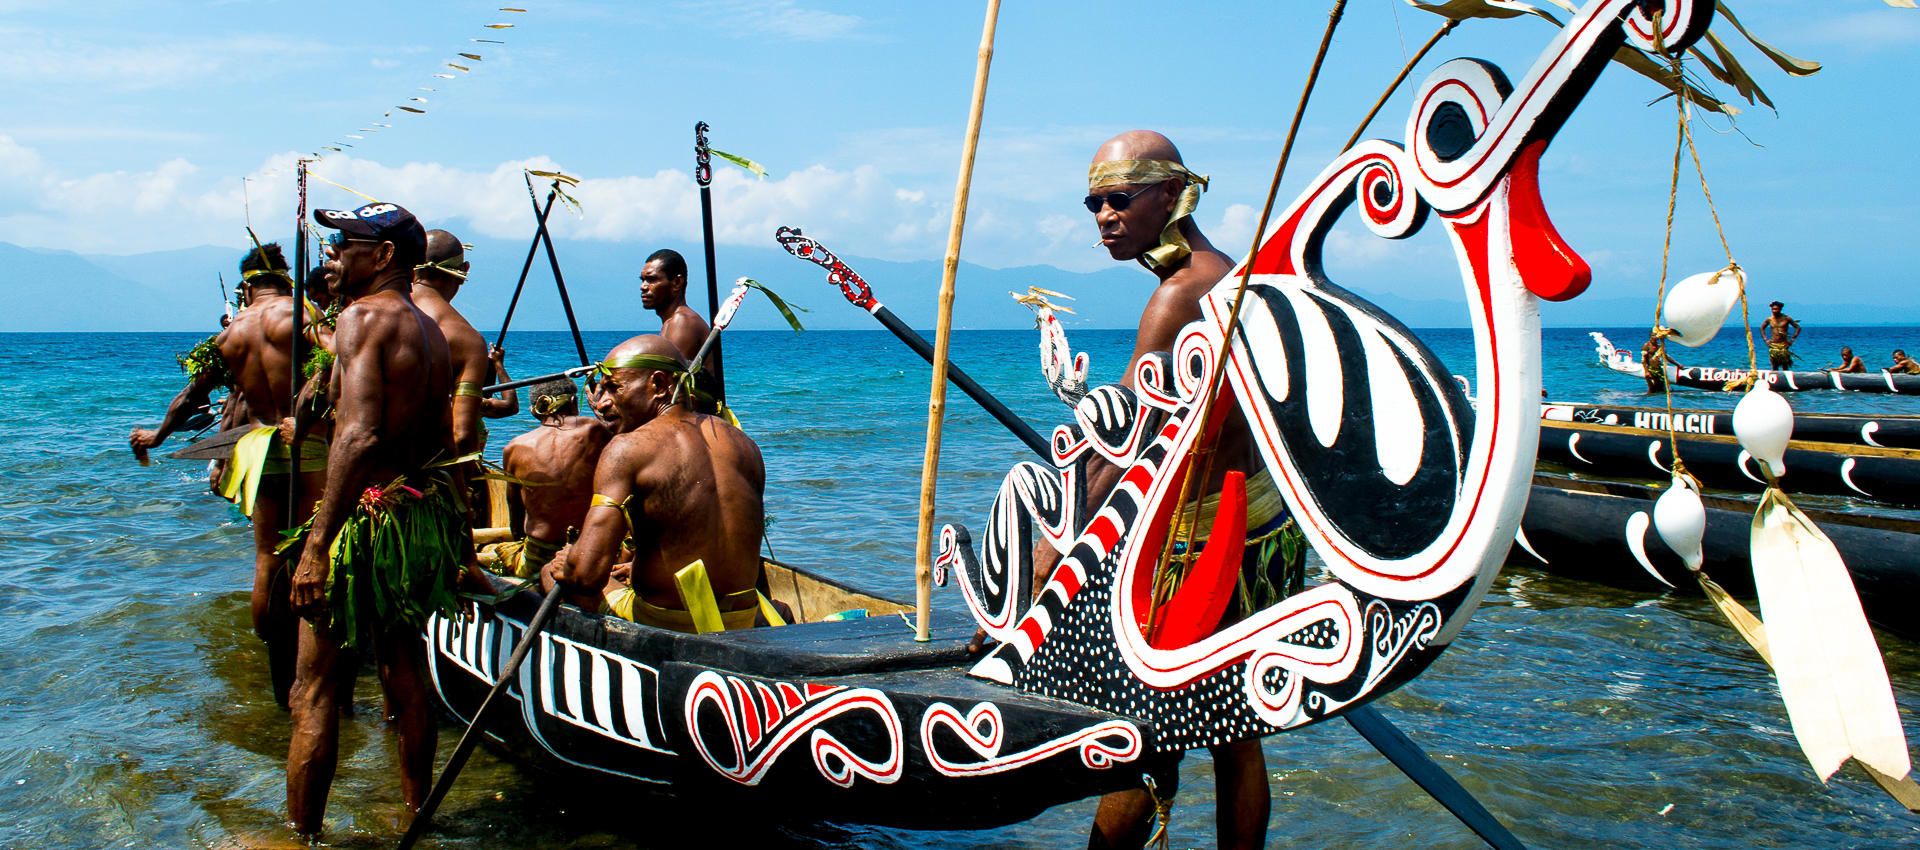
179	290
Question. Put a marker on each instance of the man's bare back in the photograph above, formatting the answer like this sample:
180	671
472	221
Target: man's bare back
557	460
473	367
692	485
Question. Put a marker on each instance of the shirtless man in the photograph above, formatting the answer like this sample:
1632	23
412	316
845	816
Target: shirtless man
253	357
392	385
558	460
1902	364
1141	197
435	284
663	289
1653	360
1849	362
1779	345
692	486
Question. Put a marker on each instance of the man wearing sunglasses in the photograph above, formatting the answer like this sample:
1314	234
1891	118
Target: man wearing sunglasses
388	541
678	488
1142	198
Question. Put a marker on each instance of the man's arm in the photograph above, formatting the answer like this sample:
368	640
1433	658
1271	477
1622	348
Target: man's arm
1796	328
509	403
474	368
357	437
191	398
586	565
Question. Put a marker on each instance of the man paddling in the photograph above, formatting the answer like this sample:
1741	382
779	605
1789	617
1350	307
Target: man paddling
556	460
387	542
1904	365
683	491
1850	363
1142	198
436	282
1779	344
253	357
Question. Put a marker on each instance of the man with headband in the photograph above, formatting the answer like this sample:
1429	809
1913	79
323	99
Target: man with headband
1142	198
387	543
556	461
682	491
436	282
252	359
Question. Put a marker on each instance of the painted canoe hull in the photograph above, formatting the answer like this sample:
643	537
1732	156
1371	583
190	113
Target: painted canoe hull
848	721
1899	432
1885	475
1705	378
1602	532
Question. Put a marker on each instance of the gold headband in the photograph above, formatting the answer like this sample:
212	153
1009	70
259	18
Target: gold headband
656	362
1173	245
441	266
279	273
547	405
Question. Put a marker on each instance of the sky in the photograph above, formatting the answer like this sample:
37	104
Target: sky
134	126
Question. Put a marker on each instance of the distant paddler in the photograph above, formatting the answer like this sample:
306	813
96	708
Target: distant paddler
682	491
387	543
1653	359
436	282
252	358
663	289
552	467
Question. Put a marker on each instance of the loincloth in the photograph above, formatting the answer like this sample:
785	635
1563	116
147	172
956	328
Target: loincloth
1781	354
628	605
397	557
1270	532
259	453
521	558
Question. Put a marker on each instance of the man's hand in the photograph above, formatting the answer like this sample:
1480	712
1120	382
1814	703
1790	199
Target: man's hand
141	440
289	431
499	357
310	585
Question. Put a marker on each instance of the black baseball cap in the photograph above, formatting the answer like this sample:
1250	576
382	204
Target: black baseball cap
379	221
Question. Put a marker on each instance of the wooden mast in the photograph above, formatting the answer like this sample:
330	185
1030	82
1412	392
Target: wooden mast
937	400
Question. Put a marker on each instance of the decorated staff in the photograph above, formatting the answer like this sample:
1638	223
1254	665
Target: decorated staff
859	294
703	174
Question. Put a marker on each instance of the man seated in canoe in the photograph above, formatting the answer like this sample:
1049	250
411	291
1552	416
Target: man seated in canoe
386	545
253	357
663	289
682	491
556	463
1849	363
1902	364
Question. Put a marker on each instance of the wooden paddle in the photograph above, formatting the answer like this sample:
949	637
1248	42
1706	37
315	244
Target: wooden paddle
216	447
472	736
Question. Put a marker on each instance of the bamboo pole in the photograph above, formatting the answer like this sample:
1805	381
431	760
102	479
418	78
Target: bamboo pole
937	399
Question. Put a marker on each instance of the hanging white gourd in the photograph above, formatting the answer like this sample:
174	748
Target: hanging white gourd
1697	307
1682	522
1763	420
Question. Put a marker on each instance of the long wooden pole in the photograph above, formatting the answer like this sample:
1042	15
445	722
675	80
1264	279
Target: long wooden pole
937	400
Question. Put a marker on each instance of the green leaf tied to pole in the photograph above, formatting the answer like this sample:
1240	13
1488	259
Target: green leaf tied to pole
786	311
747	164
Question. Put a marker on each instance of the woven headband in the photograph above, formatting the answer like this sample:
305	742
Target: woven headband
1173	244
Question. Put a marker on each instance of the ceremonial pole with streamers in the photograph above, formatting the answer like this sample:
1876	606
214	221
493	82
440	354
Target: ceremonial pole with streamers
703	175
943	330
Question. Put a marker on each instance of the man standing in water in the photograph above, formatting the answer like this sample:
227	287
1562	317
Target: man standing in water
389	538
435	284
253	357
1142	198
680	488
1779	345
556	460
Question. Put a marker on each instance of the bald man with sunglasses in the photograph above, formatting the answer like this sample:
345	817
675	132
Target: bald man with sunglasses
1142	198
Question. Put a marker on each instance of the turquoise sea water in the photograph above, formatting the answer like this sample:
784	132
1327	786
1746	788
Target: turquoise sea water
134	713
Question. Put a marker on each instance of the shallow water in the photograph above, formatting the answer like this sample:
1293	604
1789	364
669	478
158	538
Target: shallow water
133	708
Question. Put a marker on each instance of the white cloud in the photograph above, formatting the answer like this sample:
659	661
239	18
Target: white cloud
29	56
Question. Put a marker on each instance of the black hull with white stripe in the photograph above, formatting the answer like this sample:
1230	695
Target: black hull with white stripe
1710	378
1826	469
848	721
1602	532
1893	432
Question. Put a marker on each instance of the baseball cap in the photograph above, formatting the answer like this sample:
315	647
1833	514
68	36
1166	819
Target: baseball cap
380	221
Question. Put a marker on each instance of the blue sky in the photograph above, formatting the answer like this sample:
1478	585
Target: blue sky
129	126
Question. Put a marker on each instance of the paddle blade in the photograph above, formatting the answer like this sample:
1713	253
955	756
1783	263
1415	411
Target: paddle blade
1832	677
